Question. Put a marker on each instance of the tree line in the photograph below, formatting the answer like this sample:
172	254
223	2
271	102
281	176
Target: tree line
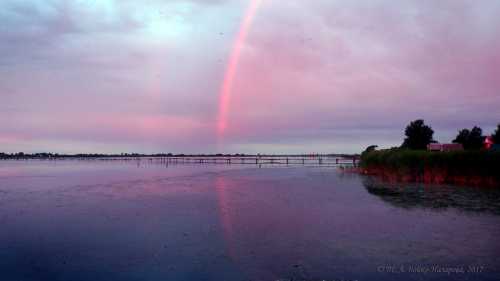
418	135
412	161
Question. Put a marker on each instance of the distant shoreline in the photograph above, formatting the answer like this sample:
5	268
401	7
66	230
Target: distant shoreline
331	160
18	156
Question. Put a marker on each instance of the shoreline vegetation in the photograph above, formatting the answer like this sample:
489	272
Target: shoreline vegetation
476	168
476	162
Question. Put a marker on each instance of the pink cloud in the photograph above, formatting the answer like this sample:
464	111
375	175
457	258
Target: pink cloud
309	72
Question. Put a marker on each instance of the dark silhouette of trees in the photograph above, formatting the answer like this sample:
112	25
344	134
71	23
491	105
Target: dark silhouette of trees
418	135
462	137
496	135
476	138
370	148
470	139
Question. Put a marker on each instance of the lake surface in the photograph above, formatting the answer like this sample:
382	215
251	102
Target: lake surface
114	220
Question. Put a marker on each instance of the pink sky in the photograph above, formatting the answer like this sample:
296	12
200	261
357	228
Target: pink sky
307	76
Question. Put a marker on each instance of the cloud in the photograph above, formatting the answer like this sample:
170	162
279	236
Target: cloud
320	74
369	65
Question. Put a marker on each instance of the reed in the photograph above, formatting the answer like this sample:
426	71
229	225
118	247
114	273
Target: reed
457	167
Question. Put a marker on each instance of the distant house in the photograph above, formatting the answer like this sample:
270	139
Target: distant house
443	147
434	147
452	147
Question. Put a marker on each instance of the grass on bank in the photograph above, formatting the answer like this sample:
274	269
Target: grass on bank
445	165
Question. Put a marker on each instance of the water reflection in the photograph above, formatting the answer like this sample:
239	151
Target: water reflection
223	207
436	197
109	221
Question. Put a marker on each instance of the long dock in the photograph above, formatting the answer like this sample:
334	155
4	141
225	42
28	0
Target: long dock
273	160
244	160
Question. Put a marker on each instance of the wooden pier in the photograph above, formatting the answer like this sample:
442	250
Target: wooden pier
244	160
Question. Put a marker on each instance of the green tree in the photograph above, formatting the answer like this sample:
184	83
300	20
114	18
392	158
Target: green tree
463	138
470	139
496	135
370	148
418	135
476	138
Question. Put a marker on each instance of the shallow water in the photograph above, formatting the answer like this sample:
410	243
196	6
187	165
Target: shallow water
97	220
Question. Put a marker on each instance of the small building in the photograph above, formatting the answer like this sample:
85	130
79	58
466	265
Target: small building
452	147
434	147
444	147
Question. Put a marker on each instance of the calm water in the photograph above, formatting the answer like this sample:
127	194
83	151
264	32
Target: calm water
72	220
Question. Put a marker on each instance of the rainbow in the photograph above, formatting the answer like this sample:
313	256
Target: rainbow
224	103
227	84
